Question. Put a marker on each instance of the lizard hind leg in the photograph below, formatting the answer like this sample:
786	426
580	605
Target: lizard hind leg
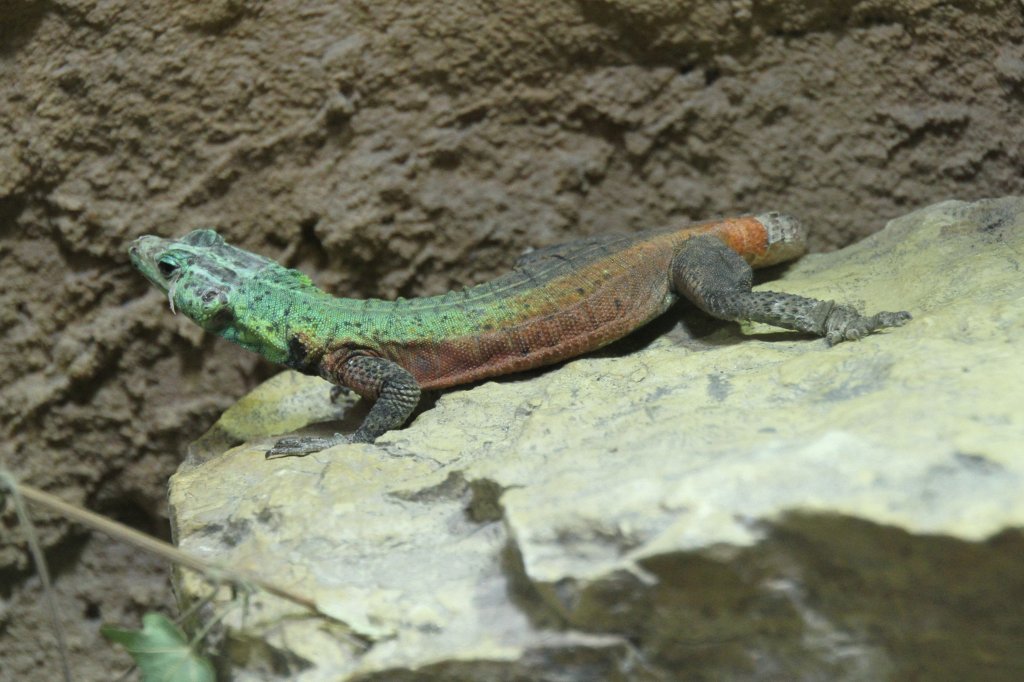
718	281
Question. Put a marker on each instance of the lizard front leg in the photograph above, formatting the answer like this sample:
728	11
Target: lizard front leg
393	389
718	281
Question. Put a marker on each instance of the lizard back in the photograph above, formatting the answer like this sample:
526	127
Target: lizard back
558	302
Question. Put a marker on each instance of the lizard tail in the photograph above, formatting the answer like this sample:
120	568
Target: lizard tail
787	238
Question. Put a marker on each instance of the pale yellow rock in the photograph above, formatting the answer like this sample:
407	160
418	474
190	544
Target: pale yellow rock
721	504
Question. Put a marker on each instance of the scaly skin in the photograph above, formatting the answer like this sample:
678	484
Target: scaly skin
557	303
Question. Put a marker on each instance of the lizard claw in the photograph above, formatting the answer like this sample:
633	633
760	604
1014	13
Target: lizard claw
302	446
846	324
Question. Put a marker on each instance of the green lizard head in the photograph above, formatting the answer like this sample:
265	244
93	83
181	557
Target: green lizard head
199	273
230	292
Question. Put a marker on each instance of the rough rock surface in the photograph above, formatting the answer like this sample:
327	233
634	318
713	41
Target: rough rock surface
725	503
405	147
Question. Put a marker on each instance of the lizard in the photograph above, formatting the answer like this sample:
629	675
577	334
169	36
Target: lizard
558	302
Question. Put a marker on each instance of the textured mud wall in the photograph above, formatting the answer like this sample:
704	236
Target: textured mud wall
399	147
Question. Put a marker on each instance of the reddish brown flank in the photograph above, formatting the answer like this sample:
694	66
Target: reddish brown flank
579	311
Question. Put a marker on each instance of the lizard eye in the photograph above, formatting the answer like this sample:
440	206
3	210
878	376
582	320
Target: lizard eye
167	267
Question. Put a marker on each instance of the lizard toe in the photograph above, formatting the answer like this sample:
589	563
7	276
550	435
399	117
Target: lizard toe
300	447
897	319
339	392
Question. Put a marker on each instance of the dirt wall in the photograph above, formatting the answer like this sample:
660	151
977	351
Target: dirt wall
401	148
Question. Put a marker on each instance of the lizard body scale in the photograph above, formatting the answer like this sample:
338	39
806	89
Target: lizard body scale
557	302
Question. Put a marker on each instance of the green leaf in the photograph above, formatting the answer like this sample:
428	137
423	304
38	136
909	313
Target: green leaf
161	651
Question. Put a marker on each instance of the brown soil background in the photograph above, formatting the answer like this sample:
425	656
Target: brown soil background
404	148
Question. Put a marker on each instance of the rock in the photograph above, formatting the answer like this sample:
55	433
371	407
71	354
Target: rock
723	502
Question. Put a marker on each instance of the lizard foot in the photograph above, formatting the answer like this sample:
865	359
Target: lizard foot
300	447
846	324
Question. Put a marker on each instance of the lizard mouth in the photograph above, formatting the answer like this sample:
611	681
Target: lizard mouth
143	253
